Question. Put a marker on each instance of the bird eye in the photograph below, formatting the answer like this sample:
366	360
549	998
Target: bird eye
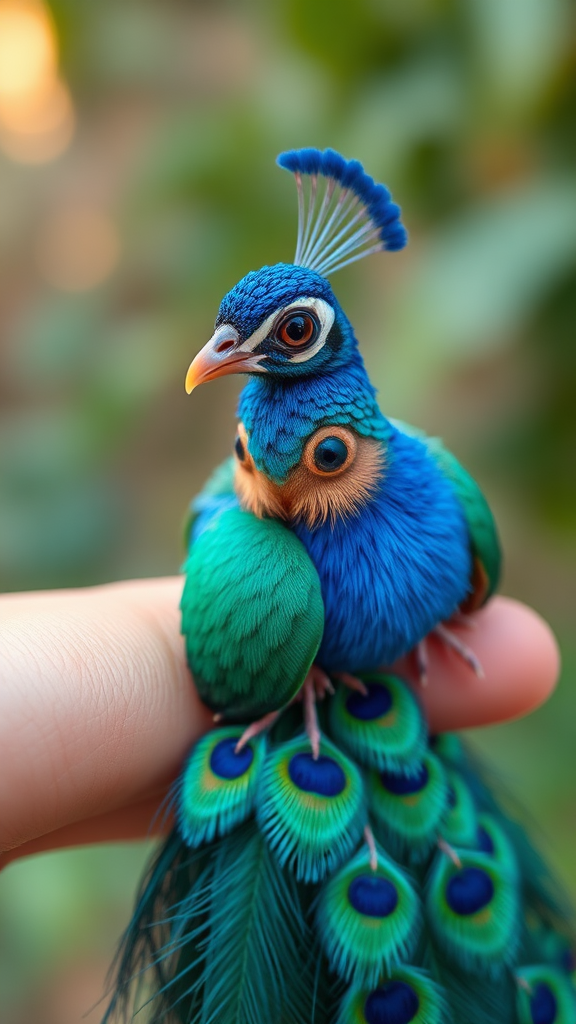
239	448
297	329
330	454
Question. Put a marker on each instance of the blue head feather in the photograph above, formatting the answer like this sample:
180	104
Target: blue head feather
261	292
283	403
281	406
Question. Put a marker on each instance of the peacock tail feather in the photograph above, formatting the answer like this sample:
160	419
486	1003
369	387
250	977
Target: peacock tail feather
375	884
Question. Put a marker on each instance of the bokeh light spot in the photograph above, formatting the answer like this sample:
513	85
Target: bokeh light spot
27	47
36	111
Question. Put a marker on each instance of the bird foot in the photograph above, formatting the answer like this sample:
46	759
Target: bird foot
321	681
456	644
261	725
451	640
352	682
314	688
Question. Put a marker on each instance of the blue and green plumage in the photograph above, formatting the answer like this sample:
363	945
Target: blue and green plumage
402	994
473	911
545	994
311	811
363	874
369	919
408	811
274	912
260	568
384	730
217	789
460	827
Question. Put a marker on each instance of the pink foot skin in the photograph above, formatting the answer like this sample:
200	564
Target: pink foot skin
262	725
451	640
321	682
316	685
314	688
352	682
456	644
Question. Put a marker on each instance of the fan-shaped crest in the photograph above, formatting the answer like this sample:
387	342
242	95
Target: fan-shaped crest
343	215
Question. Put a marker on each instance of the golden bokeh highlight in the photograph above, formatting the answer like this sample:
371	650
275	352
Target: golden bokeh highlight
77	249
36	111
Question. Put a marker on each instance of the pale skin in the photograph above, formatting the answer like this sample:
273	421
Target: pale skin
98	709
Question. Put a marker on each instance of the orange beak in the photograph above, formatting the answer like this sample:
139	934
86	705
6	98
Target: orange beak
222	355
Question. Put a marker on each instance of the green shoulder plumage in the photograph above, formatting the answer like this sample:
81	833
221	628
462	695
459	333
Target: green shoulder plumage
481	525
252	614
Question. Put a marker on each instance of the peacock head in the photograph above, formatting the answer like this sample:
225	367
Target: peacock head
284	321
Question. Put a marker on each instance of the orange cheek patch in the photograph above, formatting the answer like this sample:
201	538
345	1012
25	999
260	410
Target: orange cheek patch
255	492
309	495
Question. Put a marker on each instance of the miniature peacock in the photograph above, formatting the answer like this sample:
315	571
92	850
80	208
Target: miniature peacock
332	862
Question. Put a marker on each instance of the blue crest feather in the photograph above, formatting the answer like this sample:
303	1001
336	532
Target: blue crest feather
350	217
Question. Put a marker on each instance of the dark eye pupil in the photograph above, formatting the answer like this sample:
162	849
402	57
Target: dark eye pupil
330	454
296	328
240	449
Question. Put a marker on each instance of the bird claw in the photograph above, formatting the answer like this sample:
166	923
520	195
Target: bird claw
460	648
314	688
352	682
255	728
451	640
450	852
322	682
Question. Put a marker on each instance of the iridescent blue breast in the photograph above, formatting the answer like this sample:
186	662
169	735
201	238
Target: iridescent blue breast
395	569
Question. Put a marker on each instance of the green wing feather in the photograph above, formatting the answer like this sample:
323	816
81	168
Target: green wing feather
484	539
252	614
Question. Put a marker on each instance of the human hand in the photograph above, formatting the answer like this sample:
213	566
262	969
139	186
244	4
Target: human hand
97	707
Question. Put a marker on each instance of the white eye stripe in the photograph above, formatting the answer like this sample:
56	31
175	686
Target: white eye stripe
324	313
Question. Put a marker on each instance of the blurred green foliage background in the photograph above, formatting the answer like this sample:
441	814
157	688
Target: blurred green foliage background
117	244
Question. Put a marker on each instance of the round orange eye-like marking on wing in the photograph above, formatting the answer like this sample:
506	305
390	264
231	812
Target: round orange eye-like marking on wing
330	451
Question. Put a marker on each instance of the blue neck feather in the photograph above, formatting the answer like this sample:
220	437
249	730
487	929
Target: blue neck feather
280	415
